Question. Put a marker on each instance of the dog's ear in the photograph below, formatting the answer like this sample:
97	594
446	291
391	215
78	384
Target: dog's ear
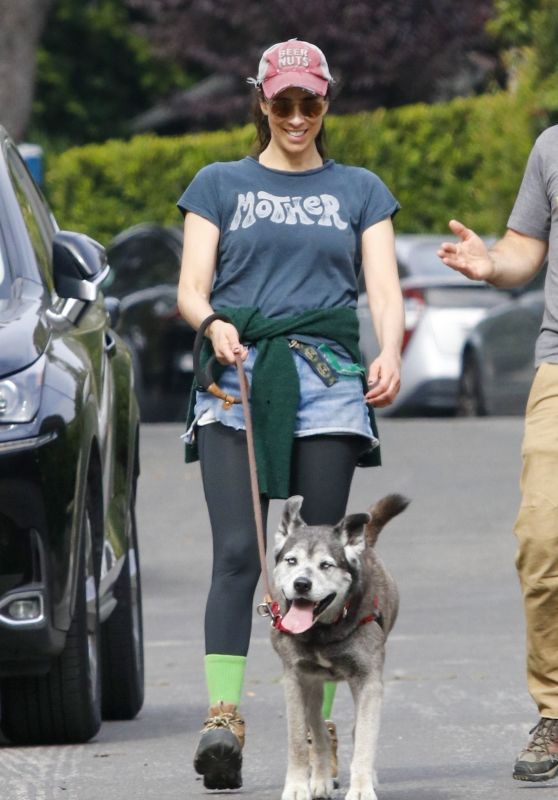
351	531
291	516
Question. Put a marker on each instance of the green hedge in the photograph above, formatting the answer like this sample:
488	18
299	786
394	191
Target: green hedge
463	159
103	188
459	159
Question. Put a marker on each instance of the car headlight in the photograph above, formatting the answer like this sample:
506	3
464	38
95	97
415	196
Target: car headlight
20	394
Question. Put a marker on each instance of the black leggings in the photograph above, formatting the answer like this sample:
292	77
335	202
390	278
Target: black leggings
322	472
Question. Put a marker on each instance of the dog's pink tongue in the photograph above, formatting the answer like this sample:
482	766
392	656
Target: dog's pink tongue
299	617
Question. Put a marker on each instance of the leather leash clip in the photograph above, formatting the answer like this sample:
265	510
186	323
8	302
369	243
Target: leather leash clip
265	610
228	399
270	608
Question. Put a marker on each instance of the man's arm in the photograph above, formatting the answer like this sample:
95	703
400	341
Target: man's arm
512	261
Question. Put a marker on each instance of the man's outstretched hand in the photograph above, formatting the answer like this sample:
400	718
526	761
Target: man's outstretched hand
469	255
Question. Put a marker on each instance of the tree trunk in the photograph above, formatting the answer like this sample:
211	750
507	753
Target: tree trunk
21	25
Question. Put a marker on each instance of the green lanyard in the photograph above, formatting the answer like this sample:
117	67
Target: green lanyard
325	363
350	370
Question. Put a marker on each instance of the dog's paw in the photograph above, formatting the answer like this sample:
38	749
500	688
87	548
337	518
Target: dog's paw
361	793
321	788
296	791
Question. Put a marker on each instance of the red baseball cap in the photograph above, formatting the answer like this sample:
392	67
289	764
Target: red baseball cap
293	63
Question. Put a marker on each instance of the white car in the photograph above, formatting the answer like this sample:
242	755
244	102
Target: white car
441	307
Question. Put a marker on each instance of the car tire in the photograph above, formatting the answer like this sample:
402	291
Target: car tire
64	705
122	640
470	398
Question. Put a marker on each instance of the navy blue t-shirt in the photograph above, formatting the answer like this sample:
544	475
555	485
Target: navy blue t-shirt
289	241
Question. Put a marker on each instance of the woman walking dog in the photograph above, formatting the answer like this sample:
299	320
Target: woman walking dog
276	242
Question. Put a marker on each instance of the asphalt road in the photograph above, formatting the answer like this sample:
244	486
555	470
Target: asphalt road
456	709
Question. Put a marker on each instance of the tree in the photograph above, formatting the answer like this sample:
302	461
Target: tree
545	41
512	22
381	52
527	33
22	24
95	73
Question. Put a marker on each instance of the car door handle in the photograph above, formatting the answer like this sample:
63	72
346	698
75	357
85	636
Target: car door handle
110	344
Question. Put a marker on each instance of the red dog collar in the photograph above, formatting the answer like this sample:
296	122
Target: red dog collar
375	616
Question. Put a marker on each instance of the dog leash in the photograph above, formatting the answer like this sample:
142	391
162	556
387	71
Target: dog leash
268	603
205	379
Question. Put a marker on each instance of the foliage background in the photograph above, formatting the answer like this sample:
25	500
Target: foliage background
459	158
94	73
382	53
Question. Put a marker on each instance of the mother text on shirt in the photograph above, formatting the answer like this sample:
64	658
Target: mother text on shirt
320	209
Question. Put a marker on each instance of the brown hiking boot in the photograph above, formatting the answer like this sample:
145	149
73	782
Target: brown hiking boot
219	754
539	760
332	730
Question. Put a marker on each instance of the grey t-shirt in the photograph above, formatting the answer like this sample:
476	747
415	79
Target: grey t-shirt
535	214
289	241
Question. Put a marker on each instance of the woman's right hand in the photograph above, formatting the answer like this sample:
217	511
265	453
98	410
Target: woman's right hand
225	341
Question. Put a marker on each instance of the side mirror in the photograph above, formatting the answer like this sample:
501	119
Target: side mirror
80	265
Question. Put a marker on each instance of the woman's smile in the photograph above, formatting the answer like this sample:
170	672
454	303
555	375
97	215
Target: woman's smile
297	134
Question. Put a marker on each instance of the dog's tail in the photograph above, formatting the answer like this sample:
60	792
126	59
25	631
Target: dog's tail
389	506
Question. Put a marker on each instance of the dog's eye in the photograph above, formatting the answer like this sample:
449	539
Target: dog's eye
291	561
325	565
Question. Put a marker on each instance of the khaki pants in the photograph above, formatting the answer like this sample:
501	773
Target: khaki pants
536	529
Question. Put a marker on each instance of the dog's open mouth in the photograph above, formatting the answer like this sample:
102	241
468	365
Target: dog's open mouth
302	614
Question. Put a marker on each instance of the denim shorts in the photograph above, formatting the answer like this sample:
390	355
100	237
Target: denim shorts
336	409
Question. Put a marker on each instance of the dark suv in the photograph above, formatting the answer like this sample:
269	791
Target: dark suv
71	649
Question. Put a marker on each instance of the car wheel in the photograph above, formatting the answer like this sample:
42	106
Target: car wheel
122	640
64	705
470	399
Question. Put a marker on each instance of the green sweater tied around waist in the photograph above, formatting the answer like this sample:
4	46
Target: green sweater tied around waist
274	392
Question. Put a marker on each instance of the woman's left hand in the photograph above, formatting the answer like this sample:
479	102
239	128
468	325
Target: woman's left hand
383	380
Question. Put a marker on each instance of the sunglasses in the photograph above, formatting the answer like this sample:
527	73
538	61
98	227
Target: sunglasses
309	107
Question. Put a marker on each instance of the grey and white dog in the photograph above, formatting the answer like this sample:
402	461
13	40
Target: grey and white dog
337	605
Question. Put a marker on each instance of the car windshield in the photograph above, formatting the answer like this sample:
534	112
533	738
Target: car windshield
423	260
420	258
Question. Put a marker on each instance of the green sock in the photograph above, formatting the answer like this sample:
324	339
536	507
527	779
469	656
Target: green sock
329	696
224	676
